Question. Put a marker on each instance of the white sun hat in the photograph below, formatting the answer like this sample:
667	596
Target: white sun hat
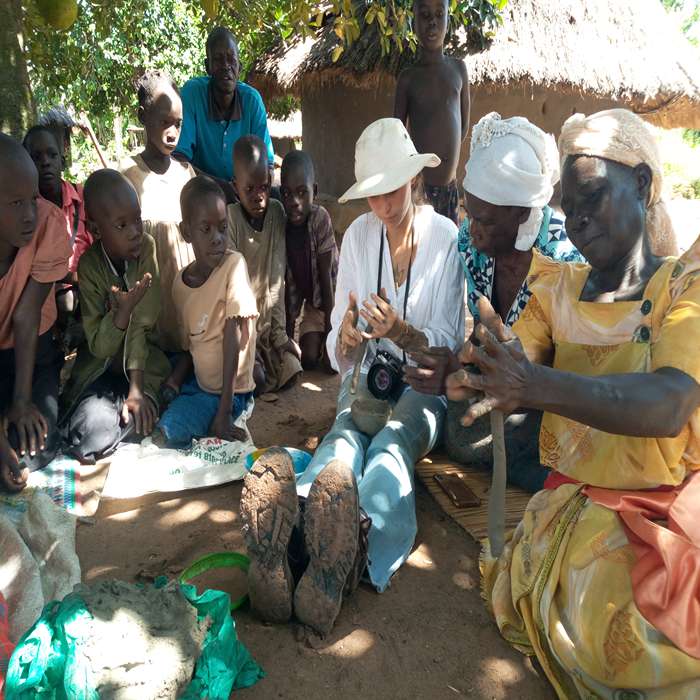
386	159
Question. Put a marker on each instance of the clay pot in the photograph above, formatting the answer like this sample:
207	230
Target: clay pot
370	415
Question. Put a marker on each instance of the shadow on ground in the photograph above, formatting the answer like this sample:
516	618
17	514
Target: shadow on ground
427	636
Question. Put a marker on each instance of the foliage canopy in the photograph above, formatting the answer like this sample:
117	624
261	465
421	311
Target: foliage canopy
93	66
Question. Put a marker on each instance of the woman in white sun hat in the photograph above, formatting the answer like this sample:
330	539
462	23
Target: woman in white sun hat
400	274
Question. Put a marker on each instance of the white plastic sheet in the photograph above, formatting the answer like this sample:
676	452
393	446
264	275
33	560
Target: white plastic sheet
137	470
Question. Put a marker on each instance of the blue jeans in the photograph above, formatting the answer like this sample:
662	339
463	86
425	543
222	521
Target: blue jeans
190	414
383	466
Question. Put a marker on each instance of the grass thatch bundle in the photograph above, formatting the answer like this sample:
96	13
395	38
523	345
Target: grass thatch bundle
630	51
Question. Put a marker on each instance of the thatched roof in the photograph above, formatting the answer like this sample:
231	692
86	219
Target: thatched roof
626	50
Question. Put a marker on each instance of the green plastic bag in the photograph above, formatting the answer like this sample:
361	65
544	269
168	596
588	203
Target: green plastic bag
48	663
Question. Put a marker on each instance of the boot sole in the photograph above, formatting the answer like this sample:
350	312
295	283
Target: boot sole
331	524
269	511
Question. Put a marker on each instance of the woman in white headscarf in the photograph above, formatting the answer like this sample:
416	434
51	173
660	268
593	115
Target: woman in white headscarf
510	177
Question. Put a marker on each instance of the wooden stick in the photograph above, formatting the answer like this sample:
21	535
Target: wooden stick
86	126
497	492
362	352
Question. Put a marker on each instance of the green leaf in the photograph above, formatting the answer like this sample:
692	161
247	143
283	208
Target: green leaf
337	52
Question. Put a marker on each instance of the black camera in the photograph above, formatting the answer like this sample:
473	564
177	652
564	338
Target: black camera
385	376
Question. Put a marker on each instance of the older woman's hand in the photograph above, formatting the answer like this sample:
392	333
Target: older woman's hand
433	367
496	352
504	378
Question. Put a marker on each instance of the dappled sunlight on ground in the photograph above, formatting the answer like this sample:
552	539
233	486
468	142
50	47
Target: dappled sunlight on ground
508	673
465	581
309	386
99	572
352	646
126	516
186	513
220	516
428	636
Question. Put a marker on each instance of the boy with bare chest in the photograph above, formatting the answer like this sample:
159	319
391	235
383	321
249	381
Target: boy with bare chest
432	98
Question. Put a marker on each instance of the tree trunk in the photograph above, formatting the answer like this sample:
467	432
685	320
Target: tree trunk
16	104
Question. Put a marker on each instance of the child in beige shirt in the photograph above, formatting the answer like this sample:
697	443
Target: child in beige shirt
216	311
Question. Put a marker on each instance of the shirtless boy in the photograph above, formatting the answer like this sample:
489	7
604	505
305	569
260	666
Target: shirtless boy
432	99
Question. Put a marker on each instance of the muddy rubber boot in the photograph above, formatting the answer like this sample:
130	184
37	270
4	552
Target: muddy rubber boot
269	511
331	525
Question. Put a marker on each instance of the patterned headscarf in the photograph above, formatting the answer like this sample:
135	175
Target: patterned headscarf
513	163
621	136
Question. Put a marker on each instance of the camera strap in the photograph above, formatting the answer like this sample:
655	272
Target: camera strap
408	274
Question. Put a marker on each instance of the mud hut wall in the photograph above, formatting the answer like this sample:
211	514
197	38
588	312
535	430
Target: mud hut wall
547	107
334	115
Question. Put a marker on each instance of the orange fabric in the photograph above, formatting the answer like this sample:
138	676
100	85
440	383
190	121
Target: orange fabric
666	575
45	259
72	196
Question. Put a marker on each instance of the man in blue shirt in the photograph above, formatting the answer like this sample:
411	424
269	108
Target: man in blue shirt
218	109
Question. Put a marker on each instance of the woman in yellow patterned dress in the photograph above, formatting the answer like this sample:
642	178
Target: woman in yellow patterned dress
601	579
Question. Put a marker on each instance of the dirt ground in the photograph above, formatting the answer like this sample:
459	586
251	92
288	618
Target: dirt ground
427	636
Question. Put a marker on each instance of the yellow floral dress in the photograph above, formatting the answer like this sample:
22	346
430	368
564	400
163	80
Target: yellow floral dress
562	588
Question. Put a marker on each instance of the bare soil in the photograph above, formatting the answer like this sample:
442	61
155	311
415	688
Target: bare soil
428	636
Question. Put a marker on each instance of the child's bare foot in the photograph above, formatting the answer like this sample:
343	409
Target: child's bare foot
325	363
269	511
13	476
331	523
167	394
224	428
259	376
158	438
11	482
238	434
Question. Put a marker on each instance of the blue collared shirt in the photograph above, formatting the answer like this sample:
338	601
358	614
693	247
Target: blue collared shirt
208	143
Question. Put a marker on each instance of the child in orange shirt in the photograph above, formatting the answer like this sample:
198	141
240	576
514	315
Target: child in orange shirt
44	150
34	253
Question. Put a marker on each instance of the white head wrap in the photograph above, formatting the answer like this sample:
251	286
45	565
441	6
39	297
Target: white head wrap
513	163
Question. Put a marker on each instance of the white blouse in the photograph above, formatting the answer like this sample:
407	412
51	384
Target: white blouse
436	296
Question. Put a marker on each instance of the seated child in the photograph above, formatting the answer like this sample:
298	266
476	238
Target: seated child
47	154
216	309
256	227
114	385
312	258
34	254
159	179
